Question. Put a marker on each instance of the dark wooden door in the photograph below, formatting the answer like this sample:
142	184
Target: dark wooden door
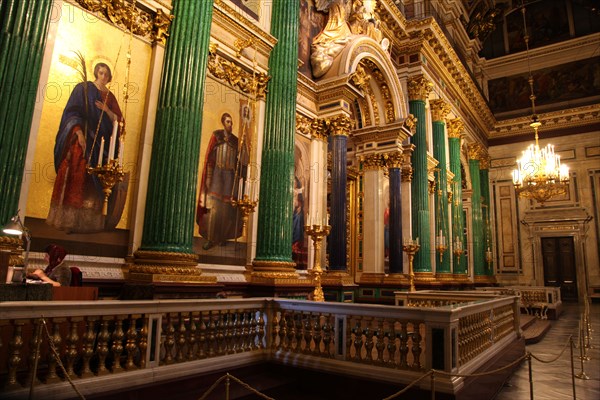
558	254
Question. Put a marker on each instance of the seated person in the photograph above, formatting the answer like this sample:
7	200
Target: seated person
57	272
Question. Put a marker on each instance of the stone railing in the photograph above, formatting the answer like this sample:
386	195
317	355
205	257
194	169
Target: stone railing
542	301
126	343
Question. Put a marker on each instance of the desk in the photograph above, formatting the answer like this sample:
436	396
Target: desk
74	293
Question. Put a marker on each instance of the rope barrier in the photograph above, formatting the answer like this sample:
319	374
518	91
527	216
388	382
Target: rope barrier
413	383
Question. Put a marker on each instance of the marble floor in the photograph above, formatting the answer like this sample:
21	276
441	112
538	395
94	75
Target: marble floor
553	381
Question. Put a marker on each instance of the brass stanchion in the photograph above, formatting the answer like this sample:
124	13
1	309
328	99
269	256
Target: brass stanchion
571	345
410	247
530	376
582	356
433	385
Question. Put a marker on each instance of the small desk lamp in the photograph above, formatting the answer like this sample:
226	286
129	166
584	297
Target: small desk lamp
16	227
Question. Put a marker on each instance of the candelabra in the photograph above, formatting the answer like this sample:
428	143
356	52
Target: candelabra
109	175
317	233
246	206
457	249
411	247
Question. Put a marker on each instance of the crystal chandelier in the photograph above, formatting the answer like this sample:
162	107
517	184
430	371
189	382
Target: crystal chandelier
539	174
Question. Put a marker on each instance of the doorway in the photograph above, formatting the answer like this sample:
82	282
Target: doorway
558	255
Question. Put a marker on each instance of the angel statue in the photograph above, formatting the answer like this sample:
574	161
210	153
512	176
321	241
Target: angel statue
347	19
334	37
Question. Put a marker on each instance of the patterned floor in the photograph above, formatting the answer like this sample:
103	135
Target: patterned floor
553	381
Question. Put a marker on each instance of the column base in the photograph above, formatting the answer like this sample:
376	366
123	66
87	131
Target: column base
337	278
485	279
158	266
371	277
275	273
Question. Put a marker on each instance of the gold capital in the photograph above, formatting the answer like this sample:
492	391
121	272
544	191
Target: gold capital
419	88
340	125
475	151
373	162
439	109
455	128
318	129
394	159
484	161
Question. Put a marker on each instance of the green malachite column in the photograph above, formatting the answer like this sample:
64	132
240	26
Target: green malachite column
418	92
170	204
455	129
439	111
273	247
23	30
478	238
484	176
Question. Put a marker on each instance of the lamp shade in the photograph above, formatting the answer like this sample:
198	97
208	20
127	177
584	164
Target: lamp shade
14	227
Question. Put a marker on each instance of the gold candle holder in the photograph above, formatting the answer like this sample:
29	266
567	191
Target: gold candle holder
247	207
411	247
109	175
317	233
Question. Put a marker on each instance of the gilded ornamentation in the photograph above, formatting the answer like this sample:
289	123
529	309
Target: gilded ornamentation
165	255
153	26
364	20
303	125
410	123
163	270
241	44
251	83
439	109
360	78
455	128
484	161
375	106
431	186
339	125
406	174
419	87
475	151
373	162
394	159
318	129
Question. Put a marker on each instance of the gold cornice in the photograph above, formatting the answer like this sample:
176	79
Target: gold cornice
152	26
241	28
439	109
252	84
455	128
562	119
419	87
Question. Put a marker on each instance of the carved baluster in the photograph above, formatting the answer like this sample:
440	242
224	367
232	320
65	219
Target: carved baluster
247	326
88	346
391	345
228	332
102	347
131	345
192	337
211	335
358	341
275	328
180	339
403	335
368	332
220	333
380	345
291	333
169	330
317	337
143	341
260	336
14	358
71	341
298	332
201	353
416	346
55	342
307	332
327	336
117	344
349	340
34	350
236	331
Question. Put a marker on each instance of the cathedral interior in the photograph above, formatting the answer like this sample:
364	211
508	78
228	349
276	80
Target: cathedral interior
243	181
